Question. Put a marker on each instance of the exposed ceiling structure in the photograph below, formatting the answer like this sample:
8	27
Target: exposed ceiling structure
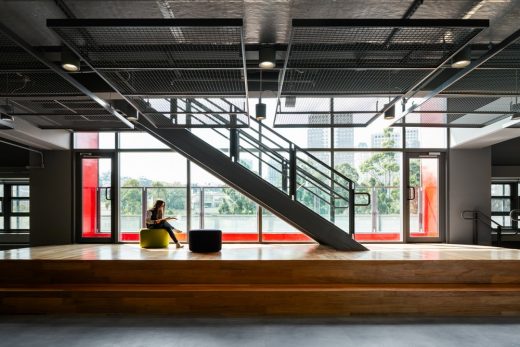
182	69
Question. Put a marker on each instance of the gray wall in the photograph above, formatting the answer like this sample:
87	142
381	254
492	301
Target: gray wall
51	200
505	159
469	189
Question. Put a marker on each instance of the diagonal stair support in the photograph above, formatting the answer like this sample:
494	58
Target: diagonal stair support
254	187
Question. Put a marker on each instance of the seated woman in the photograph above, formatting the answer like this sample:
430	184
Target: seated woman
155	220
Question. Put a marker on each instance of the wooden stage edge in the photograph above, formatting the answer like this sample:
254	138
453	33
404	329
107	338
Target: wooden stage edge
262	280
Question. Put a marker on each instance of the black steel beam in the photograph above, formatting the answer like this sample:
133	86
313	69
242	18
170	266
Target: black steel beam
151	22
393	23
56	69
464	72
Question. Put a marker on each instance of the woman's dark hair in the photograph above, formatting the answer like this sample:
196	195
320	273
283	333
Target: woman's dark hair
158	204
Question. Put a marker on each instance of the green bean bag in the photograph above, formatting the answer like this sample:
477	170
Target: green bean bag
154	238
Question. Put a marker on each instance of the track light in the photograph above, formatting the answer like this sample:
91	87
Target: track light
462	58
260	107
267	57
69	61
390	113
260	111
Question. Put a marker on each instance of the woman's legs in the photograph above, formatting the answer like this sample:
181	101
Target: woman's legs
169	229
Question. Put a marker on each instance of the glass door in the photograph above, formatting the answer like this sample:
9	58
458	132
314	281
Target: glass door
96	207
424	197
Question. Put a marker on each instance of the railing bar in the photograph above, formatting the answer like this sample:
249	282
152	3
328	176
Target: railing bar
323	187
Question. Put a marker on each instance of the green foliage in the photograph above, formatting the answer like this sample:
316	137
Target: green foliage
236	203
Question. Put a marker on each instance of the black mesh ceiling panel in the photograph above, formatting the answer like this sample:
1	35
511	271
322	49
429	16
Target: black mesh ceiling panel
498	76
458	111
37	93
162	58
368	57
76	113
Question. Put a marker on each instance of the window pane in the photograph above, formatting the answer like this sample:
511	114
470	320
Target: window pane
103	140
18	223
230	211
378	174
367	138
500	205
159	175
1	190
131	209
139	140
426	137
20	206
20	191
1	223
497	190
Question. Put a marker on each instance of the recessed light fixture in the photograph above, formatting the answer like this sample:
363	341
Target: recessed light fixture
267	57
69	61
462	58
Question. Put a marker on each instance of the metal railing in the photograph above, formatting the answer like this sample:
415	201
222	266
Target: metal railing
477	217
293	170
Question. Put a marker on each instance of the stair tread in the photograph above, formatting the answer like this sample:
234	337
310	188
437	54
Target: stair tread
261	287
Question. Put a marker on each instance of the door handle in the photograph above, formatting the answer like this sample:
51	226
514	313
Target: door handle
413	196
107	195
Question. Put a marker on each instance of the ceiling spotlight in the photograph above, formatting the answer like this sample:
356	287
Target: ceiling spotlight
390	113
267	57
69	61
461	59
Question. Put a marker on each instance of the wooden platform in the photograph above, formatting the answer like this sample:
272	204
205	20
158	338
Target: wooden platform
252	280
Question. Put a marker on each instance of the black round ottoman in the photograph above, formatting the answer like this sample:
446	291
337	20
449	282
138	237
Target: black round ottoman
205	240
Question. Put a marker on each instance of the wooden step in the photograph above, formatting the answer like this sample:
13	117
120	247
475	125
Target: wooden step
33	272
266	300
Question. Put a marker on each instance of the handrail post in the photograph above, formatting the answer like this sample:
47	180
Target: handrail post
292	172
499	236
285	175
233	144
475	227
351	212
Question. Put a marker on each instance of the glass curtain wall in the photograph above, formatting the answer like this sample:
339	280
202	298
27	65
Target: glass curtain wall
372	158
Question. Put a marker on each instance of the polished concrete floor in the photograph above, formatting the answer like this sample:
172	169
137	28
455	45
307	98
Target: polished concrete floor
130	331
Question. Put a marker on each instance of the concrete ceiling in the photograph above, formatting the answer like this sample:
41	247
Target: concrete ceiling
265	21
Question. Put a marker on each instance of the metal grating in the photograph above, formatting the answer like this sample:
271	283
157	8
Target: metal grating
147	58
15	58
349	82
75	113
454	120
369	57
177	82
469	112
323	120
154	44
498	76
28	83
487	81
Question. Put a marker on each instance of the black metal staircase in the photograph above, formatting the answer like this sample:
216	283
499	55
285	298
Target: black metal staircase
288	181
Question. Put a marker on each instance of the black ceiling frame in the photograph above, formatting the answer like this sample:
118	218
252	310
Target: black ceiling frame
474	65
67	77
174	22
477	24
